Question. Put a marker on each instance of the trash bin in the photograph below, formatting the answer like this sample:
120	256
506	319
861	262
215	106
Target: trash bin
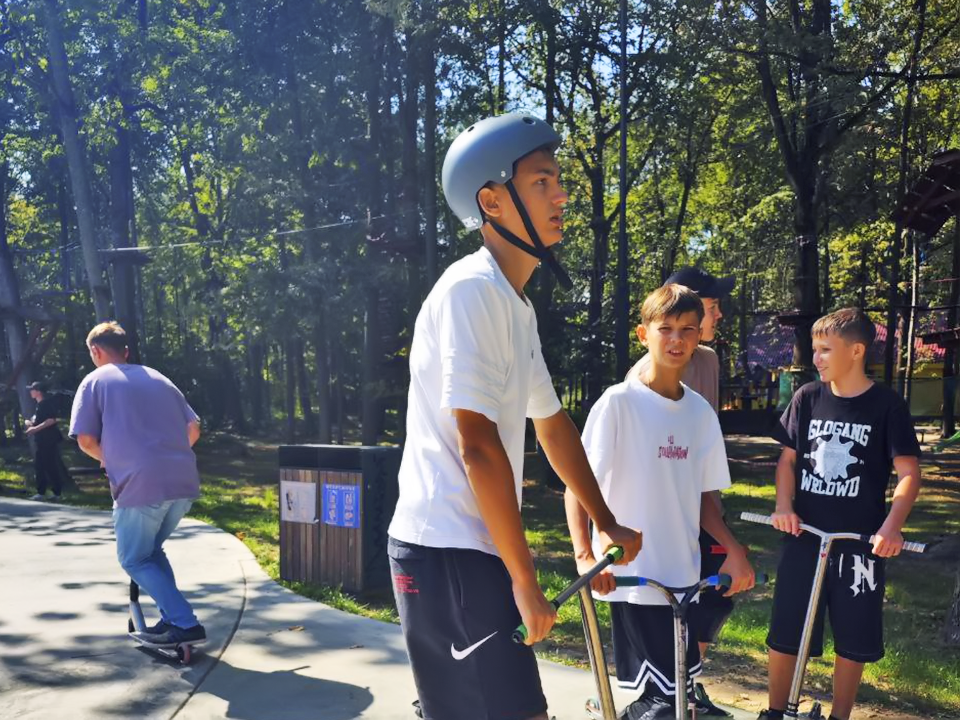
336	502
792	378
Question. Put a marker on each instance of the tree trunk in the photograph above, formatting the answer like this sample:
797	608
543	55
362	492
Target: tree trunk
303	383
951	626
322	349
501	58
914	301
339	391
15	328
949	356
66	113
430	157
314	252
371	410
290	395
121	221
230	389
72	349
622	337
807	283
598	276
255	382
893	293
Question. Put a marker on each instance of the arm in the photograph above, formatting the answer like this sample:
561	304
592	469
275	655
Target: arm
31	428
889	540
193	432
736	565
91	446
564	450
491	479
784	518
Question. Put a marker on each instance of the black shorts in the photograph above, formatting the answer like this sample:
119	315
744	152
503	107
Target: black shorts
714	609
457	613
643	648
852	595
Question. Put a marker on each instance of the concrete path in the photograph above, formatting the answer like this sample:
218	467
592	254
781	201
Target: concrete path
271	654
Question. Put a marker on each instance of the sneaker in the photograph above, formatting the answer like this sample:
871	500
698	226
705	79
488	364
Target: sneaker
770	715
38	496
56	498
172	636
648	707
158	628
705	705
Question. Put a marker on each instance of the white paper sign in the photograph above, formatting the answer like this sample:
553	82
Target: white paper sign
298	501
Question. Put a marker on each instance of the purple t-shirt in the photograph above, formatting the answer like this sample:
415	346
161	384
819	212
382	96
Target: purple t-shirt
141	419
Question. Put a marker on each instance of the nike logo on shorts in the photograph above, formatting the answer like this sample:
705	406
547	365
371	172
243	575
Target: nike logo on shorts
461	654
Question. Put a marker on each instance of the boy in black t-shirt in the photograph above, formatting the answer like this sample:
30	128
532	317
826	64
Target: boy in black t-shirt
840	437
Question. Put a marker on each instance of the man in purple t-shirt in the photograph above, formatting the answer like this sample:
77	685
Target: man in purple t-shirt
142	430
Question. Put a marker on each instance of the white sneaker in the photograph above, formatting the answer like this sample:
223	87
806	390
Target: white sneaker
38	496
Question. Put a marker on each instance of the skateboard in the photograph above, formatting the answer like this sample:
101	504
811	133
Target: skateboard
181	652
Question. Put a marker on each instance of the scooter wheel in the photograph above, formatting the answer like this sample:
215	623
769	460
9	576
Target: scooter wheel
183	654
130	627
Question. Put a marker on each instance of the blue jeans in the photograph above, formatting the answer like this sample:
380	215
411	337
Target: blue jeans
140	534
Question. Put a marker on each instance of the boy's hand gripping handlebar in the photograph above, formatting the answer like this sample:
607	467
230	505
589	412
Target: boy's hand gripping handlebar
768	520
609	558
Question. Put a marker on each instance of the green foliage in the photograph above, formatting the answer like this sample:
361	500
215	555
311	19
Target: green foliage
279	155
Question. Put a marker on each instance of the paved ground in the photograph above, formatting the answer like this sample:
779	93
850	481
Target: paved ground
271	654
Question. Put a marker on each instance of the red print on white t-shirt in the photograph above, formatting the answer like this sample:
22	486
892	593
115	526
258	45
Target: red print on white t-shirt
671	451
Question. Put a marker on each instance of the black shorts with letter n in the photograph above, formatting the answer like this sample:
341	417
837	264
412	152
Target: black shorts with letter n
457	613
852	595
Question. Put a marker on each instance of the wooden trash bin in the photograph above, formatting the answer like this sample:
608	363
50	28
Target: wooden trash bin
336	502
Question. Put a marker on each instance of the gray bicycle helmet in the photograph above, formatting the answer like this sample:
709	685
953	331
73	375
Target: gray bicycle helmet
486	152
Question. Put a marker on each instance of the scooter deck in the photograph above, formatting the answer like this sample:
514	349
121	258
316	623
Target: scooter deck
182	652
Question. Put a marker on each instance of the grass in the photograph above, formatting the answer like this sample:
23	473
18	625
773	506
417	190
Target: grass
919	673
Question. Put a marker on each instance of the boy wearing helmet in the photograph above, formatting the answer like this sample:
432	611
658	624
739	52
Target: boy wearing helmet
462	571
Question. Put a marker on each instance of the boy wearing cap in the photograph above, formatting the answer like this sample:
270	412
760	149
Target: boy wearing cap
702	375
42	427
462	571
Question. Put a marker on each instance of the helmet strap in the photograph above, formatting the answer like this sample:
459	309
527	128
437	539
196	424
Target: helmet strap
538	249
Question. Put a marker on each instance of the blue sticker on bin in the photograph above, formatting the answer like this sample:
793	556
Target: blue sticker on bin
341	505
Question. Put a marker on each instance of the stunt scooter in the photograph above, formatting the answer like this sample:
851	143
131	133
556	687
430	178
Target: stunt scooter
603	708
803	655
520	633
182	652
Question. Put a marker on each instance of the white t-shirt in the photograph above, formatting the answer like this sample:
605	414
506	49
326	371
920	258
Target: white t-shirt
475	347
653	457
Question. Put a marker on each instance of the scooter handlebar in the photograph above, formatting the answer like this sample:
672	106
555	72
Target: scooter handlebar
909	546
610	556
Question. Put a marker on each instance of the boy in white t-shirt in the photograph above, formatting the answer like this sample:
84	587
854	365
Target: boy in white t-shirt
656	449
462	571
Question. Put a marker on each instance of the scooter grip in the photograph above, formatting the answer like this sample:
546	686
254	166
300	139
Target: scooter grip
630	581
914	547
724	581
757	518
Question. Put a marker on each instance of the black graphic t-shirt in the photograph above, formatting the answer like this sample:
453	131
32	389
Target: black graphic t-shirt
47	409
845	449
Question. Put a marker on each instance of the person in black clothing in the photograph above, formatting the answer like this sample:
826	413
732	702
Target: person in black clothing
42	427
841	437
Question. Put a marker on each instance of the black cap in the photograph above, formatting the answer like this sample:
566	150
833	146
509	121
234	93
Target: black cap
702	283
37	385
